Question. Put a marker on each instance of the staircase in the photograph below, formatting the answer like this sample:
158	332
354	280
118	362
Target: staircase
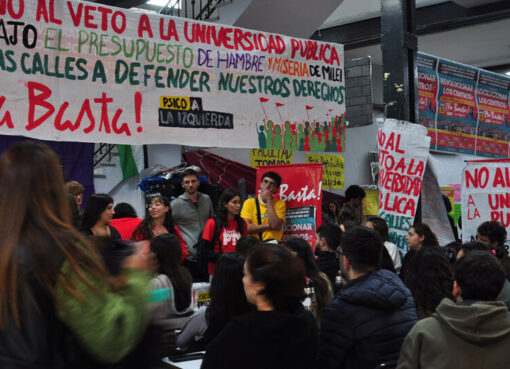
105	156
204	10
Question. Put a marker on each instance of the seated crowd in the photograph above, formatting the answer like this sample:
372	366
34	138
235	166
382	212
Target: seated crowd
100	288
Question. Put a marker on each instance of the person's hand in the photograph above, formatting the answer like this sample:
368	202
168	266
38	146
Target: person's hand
143	259
159	229
266	195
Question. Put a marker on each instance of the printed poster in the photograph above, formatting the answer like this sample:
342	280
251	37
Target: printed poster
403	148
371	203
332	170
301	189
485	195
465	109
87	72
493	133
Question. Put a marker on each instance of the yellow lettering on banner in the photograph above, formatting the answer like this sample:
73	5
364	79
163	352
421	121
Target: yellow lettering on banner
371	202
270	157
332	170
174	102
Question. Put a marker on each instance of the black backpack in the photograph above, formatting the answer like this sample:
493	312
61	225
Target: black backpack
206	248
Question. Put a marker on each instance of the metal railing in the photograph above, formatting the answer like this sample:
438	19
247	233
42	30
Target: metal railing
199	10
103	151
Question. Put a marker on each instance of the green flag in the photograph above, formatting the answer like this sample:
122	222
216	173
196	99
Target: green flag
129	160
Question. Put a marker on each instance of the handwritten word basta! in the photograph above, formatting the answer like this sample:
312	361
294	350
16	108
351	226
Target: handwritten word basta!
41	110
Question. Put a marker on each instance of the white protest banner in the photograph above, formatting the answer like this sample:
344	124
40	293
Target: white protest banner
79	71
433	209
403	148
485	195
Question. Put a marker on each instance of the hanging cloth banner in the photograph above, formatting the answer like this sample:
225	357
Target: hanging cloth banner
403	148
301	189
78	71
485	195
433	209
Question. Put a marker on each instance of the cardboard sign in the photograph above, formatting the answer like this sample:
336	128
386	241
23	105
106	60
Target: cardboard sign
301	189
403	148
332	171
371	203
78	71
485	196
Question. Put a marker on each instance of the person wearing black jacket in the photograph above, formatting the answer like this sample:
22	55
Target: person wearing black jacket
367	321
328	239
281	334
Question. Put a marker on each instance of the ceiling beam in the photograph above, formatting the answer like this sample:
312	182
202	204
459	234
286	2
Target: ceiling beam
430	19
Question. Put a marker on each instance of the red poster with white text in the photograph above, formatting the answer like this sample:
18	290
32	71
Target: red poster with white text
301	189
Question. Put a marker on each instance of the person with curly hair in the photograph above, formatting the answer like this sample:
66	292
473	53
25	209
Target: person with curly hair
430	279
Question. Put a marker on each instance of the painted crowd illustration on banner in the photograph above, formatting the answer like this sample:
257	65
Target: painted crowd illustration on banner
87	72
403	148
465	109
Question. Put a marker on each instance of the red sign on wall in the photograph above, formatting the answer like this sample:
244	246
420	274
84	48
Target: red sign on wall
301	189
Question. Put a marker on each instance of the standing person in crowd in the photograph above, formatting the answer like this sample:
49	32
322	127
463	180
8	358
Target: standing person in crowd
76	212
247	244
367	321
265	214
430	279
419	235
327	240
75	189
472	333
331	214
281	333
381	227
222	232
172	276
352	209
466	248
448	206
322	289
493	234
191	210
97	217
125	220
228	301
158	220
58	306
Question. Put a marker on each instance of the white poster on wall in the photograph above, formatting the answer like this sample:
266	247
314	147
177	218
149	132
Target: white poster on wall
79	71
402	149
485	195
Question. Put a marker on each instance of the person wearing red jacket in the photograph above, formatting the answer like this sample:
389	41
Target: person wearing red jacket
159	221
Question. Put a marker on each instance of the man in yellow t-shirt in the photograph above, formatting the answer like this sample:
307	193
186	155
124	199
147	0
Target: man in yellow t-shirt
272	211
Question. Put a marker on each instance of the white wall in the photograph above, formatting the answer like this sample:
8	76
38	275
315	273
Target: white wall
127	190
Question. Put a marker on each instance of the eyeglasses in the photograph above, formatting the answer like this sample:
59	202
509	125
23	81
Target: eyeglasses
269	183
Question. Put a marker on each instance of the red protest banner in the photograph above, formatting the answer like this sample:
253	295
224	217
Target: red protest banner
301	189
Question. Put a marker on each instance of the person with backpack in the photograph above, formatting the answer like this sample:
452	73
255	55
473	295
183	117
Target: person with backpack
222	232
